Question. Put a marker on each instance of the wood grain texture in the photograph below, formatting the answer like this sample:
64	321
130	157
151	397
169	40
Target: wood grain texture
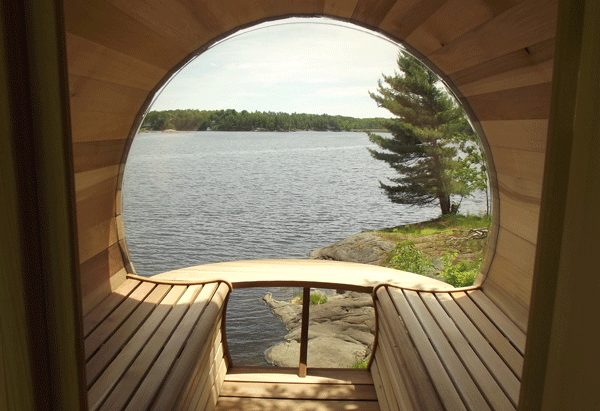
261	404
95	239
372	12
91	320
453	19
340	8
103	23
385	403
529	22
527	135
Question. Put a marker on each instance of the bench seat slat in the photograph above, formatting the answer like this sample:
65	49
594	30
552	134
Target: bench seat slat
385	402
115	370
483	379
461	378
494	363
130	381
421	391
500	343
115	319
103	310
111	348
440	378
160	368
504	324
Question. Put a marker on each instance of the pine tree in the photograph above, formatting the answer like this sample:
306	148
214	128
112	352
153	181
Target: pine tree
428	133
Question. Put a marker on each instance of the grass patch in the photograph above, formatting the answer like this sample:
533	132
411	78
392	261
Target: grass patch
360	364
315	299
444	247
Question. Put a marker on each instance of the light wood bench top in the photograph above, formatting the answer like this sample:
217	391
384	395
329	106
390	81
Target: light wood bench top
457	345
304	273
134	338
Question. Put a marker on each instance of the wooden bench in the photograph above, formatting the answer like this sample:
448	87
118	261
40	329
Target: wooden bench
157	345
445	351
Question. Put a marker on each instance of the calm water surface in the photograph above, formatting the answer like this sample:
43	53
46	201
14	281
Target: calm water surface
194	198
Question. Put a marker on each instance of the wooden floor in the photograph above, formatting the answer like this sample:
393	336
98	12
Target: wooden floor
274	389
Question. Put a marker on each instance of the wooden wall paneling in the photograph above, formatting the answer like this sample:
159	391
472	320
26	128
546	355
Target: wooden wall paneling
520	189
172	20
93	60
520	60
521	77
94	183
527	165
527	23
340	8
510	289
91	155
522	103
88	94
101	266
96	238
520	134
100	126
406	16
372	12
516	249
520	218
104	24
453	19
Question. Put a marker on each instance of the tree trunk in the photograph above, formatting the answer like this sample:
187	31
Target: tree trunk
444	203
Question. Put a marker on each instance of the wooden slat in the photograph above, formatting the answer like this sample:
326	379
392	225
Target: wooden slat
95	239
99	126
92	155
100	268
520	219
372	13
520	189
485	382
501	344
189	400
201	398
112	375
104	24
462	380
299	391
128	386
453	19
385	400
209	305
504	324
521	103
341	8
161	366
527	23
405	16
217	387
89	94
95	317
497	285
111	348
521	134
440	378
528	165
494	363
399	390
262	404
115	319
289	375
421	392
103	290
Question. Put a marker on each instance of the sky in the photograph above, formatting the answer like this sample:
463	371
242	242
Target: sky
315	66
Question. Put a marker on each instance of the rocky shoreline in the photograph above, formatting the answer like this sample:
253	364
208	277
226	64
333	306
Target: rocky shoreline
341	331
364	248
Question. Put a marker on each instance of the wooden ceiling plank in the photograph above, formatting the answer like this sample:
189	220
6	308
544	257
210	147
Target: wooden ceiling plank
527	23
528	165
453	19
522	103
93	60
99	126
103	23
91	155
520	189
406	16
340	8
87	94
372	12
169	18
520	134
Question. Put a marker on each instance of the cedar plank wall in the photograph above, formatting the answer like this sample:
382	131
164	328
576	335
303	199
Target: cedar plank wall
497	53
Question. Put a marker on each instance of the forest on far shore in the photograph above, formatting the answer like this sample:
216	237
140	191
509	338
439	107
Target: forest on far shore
232	120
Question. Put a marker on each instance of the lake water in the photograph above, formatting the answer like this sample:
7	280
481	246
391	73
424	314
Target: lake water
193	198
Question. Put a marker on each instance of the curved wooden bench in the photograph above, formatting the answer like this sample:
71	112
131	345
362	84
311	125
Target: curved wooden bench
157	345
445	351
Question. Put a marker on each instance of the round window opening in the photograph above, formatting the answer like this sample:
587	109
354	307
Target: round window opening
275	143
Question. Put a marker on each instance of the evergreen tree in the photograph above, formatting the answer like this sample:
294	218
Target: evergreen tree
428	133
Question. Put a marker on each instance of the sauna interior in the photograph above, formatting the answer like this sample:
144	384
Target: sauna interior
79	330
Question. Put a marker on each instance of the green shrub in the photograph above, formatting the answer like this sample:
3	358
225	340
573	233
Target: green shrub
360	364
407	257
461	274
315	299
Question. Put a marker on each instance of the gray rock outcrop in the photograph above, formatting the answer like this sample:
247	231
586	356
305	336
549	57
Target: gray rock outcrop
365	248
340	331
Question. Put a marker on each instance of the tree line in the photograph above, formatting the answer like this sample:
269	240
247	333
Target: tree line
232	120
